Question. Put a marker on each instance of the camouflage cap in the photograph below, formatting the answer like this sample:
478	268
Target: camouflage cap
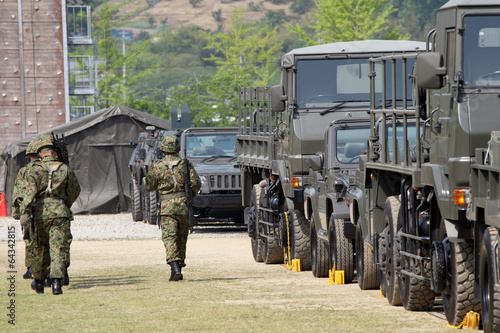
45	141
32	147
170	144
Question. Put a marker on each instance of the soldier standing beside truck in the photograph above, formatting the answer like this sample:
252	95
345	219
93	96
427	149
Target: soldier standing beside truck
430	210
167	176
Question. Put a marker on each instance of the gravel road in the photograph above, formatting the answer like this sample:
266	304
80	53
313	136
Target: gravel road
121	226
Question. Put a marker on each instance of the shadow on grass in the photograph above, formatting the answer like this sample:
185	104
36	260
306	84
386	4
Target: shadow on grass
222	279
86	282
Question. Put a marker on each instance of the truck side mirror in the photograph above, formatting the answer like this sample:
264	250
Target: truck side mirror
430	70
278	98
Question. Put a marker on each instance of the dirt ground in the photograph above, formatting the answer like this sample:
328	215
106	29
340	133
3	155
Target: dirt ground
218	260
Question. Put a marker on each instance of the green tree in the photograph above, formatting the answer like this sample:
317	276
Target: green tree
418	16
114	84
244	55
347	20
195	3
274	18
301	6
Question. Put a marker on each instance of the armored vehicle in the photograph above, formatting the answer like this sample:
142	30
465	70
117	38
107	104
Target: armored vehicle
280	139
431	219
211	150
146	152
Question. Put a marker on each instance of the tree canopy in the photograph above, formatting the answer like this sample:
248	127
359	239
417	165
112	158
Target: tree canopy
204	69
348	20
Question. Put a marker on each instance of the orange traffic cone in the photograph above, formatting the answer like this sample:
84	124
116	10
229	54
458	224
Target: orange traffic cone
3	205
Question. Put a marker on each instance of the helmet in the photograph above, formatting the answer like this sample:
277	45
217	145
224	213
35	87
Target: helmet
45	141
170	144
32	147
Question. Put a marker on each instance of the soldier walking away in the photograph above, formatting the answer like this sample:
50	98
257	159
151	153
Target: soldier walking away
52	189
167	176
17	197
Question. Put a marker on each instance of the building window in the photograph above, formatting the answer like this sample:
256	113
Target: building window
78	18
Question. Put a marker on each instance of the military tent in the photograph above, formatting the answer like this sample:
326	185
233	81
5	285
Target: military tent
99	152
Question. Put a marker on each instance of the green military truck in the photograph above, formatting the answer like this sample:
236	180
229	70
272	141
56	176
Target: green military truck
332	232
280	140
429	217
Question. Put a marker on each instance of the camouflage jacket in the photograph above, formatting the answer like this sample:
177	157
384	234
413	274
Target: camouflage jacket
167	176
64	190
20	186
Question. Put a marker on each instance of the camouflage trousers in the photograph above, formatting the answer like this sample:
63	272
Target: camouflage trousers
51	243
28	254
174	233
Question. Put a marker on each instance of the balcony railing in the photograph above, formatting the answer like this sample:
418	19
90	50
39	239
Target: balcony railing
81	73
79	25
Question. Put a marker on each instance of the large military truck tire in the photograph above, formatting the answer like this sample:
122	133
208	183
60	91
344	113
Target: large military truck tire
415	293
253	218
319	253
271	252
458	296
368	273
135	202
301	240
341	254
389	252
489	287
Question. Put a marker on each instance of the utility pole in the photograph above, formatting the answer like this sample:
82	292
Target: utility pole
123	52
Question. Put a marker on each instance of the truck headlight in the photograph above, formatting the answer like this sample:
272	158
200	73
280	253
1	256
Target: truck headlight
203	181
205	188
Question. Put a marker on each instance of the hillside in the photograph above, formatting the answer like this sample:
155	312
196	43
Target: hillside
181	12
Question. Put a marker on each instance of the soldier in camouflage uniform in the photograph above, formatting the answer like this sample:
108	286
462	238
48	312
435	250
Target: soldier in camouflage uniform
17	197
52	189
167	175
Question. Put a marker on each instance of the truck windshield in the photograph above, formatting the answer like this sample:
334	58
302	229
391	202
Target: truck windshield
481	50
322	83
203	146
351	142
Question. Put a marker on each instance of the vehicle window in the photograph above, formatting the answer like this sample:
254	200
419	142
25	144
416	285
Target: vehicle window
481	50
322	83
210	145
351	142
400	135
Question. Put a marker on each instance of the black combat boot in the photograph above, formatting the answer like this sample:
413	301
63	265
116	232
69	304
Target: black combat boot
28	274
176	271
37	285
56	286
66	277
48	282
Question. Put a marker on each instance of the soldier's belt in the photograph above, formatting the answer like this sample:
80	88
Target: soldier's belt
169	196
50	200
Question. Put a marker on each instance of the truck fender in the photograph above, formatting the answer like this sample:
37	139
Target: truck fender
432	172
341	210
309	194
355	196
